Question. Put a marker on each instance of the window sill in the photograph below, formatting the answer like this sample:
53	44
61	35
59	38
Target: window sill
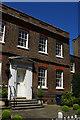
2	42
43	53
22	47
46	88
59	88
72	71
59	57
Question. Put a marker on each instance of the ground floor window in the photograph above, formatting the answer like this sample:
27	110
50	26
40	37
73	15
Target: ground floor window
72	67
42	77
59	79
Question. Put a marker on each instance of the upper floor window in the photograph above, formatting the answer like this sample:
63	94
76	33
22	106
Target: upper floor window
72	67
59	79
23	39
2	32
59	49
42	77
43	44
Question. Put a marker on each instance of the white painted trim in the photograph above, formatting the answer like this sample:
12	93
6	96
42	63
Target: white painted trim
61	50
25	31
22	47
59	56
73	67
0	68
43	52
43	87
60	88
61	81
46	47
3	33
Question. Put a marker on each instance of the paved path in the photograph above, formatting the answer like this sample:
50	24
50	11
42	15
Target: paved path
49	111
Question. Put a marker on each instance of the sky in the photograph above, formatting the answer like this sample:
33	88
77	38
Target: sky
63	15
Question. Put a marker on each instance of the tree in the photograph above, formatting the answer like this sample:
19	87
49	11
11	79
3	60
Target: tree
76	84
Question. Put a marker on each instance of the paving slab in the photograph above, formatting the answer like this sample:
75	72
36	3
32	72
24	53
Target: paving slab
49	112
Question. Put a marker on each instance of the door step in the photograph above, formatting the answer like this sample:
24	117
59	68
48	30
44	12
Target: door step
31	107
20	103
20	98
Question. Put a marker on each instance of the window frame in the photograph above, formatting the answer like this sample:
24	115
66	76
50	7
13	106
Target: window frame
73	67
2	23
61	51
25	31
61	72
45	50
45	77
0	68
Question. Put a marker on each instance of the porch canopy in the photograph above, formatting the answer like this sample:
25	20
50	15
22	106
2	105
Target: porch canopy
24	59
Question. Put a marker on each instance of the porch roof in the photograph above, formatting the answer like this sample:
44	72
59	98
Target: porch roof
22	58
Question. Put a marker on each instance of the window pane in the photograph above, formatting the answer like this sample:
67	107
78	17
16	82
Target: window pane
2	31
42	76
22	40
42	44
59	78
58	49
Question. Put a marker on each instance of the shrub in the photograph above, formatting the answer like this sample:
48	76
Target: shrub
78	111
4	91
76	84
68	99
75	106
65	108
17	117
6	114
0	94
40	92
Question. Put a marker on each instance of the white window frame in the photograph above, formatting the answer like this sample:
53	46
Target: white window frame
61	79
0	67
3	33
45	77
72	67
57	49
20	46
45	50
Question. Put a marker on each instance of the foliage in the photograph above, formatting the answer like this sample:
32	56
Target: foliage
75	106
65	108
6	114
68	99
78	111
40	93
4	91
0	93
78	100
17	117
76	84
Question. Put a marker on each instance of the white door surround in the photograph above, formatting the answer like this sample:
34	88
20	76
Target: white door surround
20	80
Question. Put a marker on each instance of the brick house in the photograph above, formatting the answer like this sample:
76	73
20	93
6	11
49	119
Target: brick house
33	53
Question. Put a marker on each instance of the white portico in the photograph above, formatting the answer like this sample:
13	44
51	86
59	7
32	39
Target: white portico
20	79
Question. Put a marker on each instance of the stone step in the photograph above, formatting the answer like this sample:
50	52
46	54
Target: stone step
25	105
33	102
19	104
30	107
22	100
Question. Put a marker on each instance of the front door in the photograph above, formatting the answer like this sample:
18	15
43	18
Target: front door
21	73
